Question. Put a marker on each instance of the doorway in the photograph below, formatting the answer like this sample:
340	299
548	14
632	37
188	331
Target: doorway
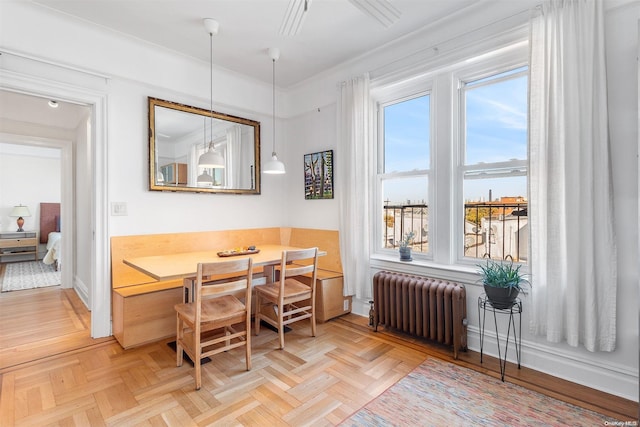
84	180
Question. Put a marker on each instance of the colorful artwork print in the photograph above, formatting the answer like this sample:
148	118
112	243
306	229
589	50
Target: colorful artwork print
318	175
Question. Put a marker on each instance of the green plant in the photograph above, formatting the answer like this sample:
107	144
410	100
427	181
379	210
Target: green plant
503	275
407	240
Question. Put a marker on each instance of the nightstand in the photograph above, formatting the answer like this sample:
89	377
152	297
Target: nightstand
18	243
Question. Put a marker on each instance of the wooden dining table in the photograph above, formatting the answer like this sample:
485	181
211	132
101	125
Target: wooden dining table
185	264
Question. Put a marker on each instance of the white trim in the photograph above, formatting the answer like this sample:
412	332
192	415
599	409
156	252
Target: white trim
549	360
82	290
558	363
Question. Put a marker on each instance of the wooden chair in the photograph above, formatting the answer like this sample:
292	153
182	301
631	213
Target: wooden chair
206	326
286	292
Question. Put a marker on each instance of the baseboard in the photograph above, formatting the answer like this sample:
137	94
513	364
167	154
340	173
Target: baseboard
604	376
557	361
82	290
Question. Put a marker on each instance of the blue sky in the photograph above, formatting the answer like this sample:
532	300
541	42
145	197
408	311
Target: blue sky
496	116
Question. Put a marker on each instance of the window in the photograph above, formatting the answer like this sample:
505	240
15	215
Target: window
405	171
452	160
494	169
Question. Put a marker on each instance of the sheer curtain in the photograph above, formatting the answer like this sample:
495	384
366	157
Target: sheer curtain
573	259
234	157
352	159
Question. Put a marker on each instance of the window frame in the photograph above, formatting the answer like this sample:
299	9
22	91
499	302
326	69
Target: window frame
381	176
445	196
485	68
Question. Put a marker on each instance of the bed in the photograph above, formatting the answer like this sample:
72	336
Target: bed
50	233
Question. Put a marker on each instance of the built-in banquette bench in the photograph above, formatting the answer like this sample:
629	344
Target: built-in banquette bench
142	307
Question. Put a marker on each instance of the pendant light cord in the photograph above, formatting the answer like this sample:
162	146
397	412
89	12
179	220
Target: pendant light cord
211	88
274	107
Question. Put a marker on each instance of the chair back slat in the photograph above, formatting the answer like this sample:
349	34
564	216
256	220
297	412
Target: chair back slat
218	281
300	254
295	270
225	287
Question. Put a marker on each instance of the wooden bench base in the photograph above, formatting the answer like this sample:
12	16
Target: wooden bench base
142	315
142	311
330	302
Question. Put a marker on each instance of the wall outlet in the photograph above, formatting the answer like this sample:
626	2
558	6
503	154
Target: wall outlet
345	304
118	208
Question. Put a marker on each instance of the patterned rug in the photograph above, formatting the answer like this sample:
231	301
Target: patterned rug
439	393
29	275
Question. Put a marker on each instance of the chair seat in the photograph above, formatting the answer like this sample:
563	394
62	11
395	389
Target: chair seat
292	288
218	309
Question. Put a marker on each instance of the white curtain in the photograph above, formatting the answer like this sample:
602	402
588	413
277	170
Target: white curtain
193	170
234	157
352	159
573	259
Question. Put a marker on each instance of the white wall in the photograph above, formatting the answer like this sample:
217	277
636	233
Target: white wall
28	176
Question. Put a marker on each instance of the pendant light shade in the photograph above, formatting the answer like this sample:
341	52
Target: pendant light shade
205	178
274	166
211	159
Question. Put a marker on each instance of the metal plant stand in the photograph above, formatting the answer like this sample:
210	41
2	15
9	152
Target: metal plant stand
514	311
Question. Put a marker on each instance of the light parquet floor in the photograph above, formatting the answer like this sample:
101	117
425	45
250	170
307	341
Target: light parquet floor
314	381
39	323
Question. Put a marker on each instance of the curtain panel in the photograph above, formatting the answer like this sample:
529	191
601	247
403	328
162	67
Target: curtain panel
352	165
573	259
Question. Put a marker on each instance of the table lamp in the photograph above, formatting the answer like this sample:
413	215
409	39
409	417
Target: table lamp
20	211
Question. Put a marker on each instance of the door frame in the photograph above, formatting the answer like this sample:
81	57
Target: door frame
99	289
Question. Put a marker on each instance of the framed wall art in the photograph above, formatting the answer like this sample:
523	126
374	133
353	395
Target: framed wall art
318	175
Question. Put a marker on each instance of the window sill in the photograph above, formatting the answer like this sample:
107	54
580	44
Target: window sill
457	273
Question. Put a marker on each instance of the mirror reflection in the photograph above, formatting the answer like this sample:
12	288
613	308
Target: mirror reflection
192	150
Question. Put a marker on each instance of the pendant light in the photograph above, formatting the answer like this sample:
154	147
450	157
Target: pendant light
274	166
204	178
211	159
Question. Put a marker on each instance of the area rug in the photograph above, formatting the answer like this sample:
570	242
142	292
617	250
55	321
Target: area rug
439	393
29	275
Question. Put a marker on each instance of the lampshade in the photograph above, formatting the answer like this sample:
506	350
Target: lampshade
205	178
274	166
19	211
211	159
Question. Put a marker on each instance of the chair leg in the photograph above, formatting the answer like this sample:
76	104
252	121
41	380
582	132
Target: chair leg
257	316
313	322
197	362
281	326
247	343
179	335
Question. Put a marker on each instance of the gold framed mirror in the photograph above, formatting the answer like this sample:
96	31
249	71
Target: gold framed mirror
180	134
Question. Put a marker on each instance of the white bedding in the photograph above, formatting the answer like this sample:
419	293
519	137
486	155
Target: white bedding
53	249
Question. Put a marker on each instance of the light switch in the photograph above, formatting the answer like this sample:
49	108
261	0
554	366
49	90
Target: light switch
118	208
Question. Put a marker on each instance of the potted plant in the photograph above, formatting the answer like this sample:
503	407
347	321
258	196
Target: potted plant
502	282
405	246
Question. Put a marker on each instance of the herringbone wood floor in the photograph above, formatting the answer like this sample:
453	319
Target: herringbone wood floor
314	381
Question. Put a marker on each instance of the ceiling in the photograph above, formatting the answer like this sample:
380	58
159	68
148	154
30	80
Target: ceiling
332	31
33	109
